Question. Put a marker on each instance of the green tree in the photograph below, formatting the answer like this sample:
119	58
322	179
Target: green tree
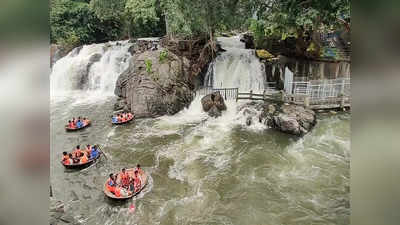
299	18
73	23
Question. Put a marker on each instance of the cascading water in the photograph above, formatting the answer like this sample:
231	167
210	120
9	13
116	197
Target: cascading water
205	170
91	67
236	67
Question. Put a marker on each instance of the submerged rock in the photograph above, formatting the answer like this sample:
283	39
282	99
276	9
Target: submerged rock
154	85
292	119
213	104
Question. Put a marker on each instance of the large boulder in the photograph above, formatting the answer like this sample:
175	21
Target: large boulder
288	118
153	85
213	104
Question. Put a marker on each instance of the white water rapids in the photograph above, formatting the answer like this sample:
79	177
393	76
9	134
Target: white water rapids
203	170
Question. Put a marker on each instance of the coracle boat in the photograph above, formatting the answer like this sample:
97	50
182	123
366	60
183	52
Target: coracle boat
125	122
68	129
131	172
81	165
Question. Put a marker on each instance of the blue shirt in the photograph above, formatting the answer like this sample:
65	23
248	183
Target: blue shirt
79	124
114	119
94	153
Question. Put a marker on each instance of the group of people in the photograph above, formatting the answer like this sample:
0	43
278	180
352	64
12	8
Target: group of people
78	123
122	117
123	184
80	156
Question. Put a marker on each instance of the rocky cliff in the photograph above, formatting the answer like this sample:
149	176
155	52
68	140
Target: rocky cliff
156	83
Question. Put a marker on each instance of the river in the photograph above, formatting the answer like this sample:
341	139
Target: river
203	170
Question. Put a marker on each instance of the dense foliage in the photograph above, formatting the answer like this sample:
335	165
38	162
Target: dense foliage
299	18
76	22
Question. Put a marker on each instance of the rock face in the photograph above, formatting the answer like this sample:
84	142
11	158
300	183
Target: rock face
153	86
56	53
292	119
213	104
248	39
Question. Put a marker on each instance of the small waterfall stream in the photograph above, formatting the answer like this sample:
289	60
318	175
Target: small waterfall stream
91	67
236	67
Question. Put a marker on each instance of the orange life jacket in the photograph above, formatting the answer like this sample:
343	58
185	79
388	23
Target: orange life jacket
77	153
109	187
84	159
124	178
117	191
66	160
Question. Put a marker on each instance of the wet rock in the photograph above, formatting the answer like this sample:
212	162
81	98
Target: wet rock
56	53
292	119
154	88
248	39
249	120
121	104
85	73
213	104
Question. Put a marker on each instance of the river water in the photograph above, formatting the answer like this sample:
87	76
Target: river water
203	170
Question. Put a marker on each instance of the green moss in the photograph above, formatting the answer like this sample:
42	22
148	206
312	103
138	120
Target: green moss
149	64
163	55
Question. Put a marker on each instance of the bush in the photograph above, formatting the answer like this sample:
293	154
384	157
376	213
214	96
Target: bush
149	64
163	55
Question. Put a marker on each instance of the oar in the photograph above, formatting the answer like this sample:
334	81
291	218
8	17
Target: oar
101	151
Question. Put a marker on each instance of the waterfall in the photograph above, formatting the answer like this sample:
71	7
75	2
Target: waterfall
236	67
94	67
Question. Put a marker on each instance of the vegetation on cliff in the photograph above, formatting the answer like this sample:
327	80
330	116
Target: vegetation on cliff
76	22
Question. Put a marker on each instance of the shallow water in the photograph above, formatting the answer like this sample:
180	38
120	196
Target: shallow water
204	170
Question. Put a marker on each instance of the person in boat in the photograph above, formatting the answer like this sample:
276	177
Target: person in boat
66	159
114	119
79	124
95	152
77	152
85	121
139	170
111	183
88	150
130	115
124	177
71	161
74	120
71	125
84	158
137	182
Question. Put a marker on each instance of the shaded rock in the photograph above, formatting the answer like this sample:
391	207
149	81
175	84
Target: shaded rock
121	104
292	119
56	53
249	120
248	39
213	104
154	88
82	84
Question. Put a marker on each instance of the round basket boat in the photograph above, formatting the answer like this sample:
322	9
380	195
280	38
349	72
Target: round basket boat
75	129
125	122
81	165
131	171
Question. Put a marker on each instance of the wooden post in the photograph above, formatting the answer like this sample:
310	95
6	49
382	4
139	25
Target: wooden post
307	101
282	96
225	94
342	102
264	95
237	94
251	94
